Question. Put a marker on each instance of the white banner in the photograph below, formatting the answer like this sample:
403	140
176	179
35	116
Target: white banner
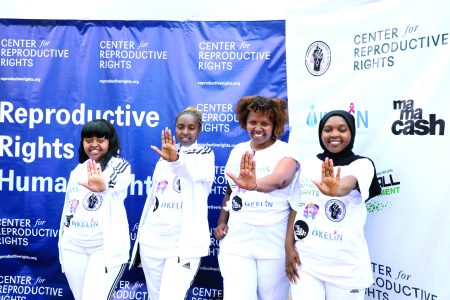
388	63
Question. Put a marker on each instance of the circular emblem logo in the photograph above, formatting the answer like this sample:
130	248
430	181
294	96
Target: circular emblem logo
176	184
236	203
92	201
301	229
156	204
318	58
335	210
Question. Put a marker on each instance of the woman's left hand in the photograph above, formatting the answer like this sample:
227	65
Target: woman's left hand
96	182
292	264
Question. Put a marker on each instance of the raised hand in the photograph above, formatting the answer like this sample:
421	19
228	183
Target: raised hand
329	184
96	182
168	146
247	174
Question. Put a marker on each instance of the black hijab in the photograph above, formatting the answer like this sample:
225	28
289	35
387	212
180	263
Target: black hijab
346	156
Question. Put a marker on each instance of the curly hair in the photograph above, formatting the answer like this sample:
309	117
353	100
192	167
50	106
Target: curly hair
192	111
275	109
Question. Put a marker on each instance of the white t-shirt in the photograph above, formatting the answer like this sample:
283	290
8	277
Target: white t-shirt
254	207
257	222
329	231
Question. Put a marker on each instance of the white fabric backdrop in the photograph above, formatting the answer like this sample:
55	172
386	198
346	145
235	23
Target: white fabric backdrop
372	55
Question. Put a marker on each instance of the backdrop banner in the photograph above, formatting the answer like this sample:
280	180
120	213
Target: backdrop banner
387	63
55	75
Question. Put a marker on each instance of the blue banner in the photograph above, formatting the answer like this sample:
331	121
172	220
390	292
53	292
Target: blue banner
55	75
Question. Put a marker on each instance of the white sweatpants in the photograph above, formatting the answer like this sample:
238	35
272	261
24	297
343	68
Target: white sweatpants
168	278
310	288
86	273
253	279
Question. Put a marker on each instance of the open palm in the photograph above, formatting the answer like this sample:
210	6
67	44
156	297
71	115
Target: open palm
168	146
96	182
329	184
246	178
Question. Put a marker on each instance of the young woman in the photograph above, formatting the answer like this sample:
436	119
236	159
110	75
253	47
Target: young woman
94	239
173	231
331	258
252	224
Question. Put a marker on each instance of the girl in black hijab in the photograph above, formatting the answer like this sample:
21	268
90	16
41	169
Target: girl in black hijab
346	156
326	252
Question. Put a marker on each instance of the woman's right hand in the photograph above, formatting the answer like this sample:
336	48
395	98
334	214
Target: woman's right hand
247	173
329	183
220	231
168	146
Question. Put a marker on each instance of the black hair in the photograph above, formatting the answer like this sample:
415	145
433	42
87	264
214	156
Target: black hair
100	128
193	112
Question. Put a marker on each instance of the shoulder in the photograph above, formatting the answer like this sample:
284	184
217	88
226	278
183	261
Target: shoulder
311	161
77	169
281	143
286	149
199	150
118	162
204	149
362	162
361	168
79	166
282	147
241	147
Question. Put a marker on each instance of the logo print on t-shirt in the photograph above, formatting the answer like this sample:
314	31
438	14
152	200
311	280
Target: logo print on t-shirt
301	229
236	203
74	205
68	218
161	186
92	202
176	184
311	210
187	265
156	204
335	210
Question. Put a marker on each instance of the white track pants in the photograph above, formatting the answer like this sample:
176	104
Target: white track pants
253	279
86	273
310	288
169	278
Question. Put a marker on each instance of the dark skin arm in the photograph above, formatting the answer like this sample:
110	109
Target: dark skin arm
292	260
222	228
280	178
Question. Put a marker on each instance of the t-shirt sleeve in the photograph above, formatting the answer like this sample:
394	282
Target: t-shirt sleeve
363	170
292	152
295	194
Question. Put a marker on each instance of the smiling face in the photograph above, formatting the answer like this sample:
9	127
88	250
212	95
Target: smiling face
95	148
260	130
187	129
336	134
